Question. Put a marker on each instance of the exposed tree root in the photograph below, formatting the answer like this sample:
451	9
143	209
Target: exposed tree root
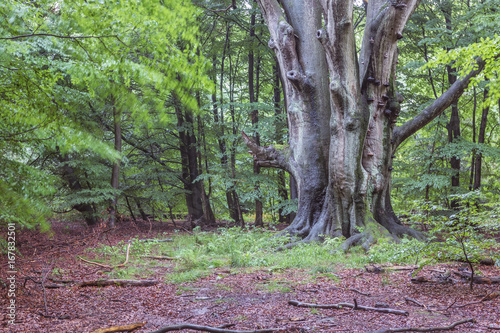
354	306
424	329
208	329
364	239
125	328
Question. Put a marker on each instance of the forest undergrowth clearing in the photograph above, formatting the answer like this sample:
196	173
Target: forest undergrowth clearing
235	287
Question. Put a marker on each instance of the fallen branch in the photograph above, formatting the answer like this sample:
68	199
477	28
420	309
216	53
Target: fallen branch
347	305
408	300
127	328
479	279
117	282
208	329
156	240
359	292
424	329
488	297
108	266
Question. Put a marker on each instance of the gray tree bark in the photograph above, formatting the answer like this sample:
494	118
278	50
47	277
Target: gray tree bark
341	114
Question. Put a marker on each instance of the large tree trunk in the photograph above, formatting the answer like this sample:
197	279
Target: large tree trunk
188	151
342	114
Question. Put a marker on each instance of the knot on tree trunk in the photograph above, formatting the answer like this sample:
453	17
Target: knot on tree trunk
322	36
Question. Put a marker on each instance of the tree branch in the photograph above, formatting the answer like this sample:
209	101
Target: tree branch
208	329
267	156
404	131
354	306
63	37
424	329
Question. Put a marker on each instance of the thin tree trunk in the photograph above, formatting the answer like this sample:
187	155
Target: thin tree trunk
236	201
130	209
473	157
219	118
279	125
115	174
255	118
453	126
480	140
144	216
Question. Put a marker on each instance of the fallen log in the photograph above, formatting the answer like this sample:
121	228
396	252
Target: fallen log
354	306
209	329
424	329
479	279
118	282
125	328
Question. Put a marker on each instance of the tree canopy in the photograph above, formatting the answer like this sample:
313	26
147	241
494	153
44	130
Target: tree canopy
137	108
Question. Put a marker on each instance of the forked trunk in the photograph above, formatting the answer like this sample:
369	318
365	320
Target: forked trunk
341	114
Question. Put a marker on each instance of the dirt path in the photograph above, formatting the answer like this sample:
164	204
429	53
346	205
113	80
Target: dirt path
257	298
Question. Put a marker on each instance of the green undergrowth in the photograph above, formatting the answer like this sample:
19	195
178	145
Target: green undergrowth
235	250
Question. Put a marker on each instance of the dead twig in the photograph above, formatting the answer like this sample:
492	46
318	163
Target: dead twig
160	257
208	329
488	297
408	300
108	266
127	328
118	282
347	305
424	329
44	278
359	292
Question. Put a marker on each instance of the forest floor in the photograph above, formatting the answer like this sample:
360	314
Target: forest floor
237	299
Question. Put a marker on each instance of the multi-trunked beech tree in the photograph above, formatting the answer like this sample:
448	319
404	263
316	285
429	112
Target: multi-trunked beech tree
342	107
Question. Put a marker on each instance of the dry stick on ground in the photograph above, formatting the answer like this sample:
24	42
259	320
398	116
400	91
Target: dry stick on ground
208	329
160	257
424	329
108	266
117	282
156	240
347	305
488	297
127	328
407	299
359	292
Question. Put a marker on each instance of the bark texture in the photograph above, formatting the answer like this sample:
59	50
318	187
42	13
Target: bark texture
342	108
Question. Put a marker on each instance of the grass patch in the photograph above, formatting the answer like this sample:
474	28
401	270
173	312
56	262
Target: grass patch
249	249
277	286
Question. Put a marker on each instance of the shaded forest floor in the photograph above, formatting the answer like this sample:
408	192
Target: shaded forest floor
242	299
